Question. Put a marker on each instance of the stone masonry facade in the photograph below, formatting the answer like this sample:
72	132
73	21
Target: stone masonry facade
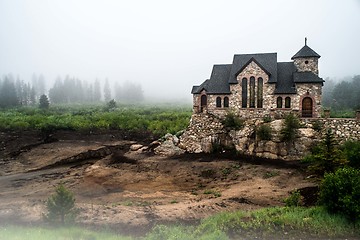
256	86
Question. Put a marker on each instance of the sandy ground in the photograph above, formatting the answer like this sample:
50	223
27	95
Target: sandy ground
132	189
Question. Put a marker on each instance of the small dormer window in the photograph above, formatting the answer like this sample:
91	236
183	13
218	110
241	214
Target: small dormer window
306	62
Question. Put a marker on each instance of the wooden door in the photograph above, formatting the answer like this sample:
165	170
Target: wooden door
307	107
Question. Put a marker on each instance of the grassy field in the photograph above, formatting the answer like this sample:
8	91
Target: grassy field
267	223
157	120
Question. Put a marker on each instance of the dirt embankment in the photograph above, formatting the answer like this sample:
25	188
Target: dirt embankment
119	187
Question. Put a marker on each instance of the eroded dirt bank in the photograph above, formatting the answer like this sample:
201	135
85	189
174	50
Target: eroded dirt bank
119	187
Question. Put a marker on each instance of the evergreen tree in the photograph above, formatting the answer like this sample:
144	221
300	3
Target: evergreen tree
97	91
107	91
61	206
44	102
32	96
326	156
8	96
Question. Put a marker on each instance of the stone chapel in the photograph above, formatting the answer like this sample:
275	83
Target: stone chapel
256	85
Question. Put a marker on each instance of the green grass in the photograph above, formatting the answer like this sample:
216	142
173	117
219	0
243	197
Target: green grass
157	120
342	113
41	233
269	223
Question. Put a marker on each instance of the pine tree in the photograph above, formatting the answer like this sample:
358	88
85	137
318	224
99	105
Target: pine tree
44	102
107	91
61	206
97	91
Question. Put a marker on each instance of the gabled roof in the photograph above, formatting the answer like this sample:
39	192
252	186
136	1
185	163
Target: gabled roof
267	61
217	84
304	52
198	89
307	77
285	83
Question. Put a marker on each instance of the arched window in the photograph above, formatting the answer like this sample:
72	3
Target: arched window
203	103
287	102
279	102
260	92
252	92
244	93
218	102
226	102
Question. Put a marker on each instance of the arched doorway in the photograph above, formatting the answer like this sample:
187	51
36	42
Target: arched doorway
307	107
203	103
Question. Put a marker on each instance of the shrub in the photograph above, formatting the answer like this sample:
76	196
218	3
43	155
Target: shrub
61	206
267	119
232	121
290	128
340	192
326	156
264	132
317	126
351	150
111	105
294	200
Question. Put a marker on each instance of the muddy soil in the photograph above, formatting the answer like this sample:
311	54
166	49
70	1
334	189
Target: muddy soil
115	186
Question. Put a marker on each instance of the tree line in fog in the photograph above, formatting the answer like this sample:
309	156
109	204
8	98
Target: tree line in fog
17	92
343	95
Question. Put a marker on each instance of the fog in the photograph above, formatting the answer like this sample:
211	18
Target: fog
169	46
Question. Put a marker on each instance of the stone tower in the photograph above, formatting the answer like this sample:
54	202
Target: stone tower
306	60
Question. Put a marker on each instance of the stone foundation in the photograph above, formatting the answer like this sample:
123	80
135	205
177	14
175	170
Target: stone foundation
205	130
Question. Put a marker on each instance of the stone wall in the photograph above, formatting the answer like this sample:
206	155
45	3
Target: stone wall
205	130
307	64
343	128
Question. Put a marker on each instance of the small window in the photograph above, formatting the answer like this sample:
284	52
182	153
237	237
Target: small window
306	62
226	102
279	102
287	102
218	102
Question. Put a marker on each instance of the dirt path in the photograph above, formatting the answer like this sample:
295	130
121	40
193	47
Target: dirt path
114	186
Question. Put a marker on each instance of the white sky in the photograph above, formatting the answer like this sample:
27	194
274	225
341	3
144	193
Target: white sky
169	46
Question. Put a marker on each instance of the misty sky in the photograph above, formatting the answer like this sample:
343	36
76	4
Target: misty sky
169	46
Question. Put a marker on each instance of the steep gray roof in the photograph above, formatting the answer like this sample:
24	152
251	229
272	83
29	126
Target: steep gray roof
284	74
307	77
217	84
304	52
267	62
285	83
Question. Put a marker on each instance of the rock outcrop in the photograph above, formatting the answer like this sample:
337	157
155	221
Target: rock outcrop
169	146
206	131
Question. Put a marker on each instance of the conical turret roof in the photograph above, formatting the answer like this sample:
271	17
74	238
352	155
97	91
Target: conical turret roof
305	52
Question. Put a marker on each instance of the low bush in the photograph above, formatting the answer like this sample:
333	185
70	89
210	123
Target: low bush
264	132
232	121
317	125
156	120
294	200
351	150
340	192
267	119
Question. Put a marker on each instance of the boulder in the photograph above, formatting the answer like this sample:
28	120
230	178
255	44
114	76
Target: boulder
168	148
135	147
